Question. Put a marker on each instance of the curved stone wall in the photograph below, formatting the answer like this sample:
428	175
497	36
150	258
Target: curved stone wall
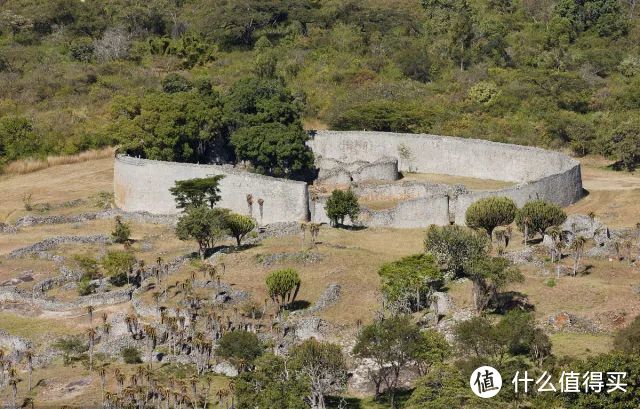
443	154
143	185
539	173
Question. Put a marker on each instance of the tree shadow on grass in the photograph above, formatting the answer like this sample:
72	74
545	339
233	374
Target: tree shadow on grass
298	305
512	300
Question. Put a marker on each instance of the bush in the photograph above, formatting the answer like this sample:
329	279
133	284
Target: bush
239	226
241	347
283	286
173	83
121	232
131	355
627	339
275	149
85	287
407	283
81	50
491	212
340	205
538	216
455	246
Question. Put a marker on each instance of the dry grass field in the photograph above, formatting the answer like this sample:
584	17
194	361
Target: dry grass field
350	258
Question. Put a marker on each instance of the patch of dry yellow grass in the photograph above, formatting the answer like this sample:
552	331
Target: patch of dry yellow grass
23	166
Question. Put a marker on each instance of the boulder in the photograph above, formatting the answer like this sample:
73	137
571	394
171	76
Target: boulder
226	369
442	303
583	225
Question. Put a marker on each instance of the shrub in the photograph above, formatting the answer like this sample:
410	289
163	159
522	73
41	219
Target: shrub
538	216
454	246
204	225
173	83
81	50
121	231
283	286
484	92
406	283
628	339
340	205
239	226
85	287
118	264
491	212
131	355
241	347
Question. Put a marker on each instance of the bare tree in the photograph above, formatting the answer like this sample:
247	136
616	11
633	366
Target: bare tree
114	45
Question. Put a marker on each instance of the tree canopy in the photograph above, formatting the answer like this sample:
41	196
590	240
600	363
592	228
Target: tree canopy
407	283
197	192
538	216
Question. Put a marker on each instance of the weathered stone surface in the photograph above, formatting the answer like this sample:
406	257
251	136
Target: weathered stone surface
225	368
540	174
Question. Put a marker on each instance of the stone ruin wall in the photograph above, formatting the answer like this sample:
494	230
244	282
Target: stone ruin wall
539	174
143	185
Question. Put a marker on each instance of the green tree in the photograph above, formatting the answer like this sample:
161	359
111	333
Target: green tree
121	231
432	350
627	340
324	367
274	149
197	192
455	246
272	384
173	83
489	275
392	344
283	286
446	386
407	283
241	347
204	225
607	363
626	144
118	265
181	127
491	212
537	216
72	347
239	226
18	139
340	205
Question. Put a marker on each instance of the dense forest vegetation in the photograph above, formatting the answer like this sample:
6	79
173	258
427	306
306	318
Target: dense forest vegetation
76	74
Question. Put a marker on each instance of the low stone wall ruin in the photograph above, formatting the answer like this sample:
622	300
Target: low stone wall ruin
348	158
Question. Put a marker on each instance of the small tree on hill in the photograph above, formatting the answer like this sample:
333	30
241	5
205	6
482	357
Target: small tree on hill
489	275
241	347
627	339
205	226
283	286
118	265
392	344
239	226
340	205
197	192
455	246
324	365
121	231
537	216
407	283
491	212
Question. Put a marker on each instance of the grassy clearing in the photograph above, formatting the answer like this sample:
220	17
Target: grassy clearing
470	183
34	327
55	184
21	167
579	345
